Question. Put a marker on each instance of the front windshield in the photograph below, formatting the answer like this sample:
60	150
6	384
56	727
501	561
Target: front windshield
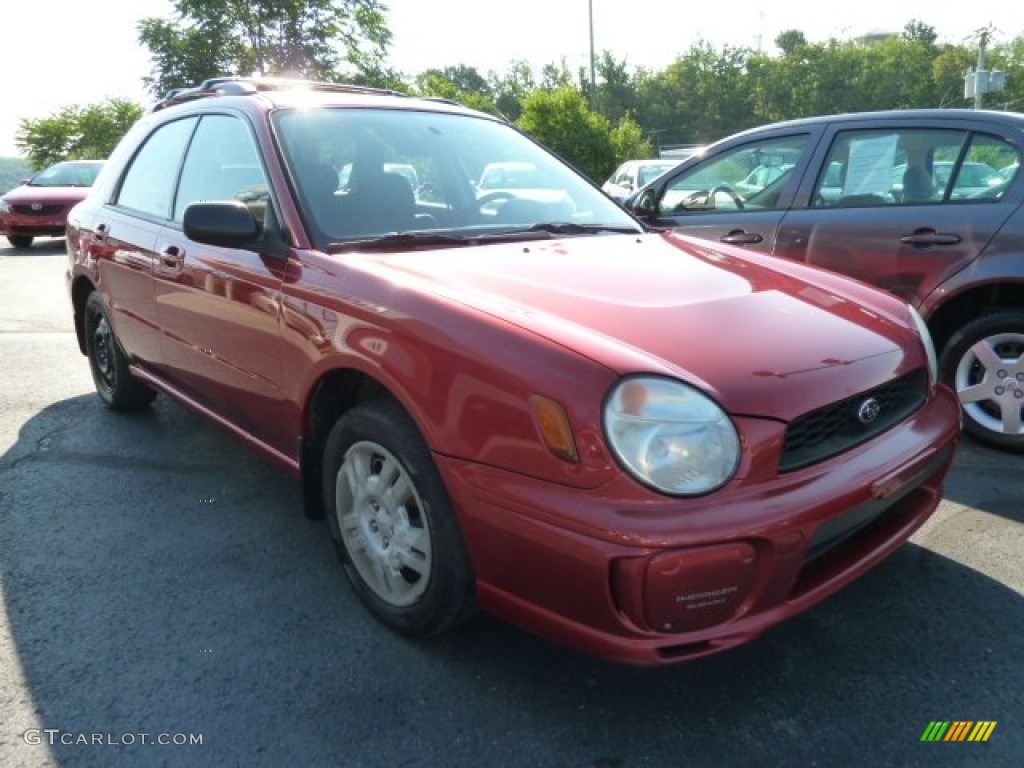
366	173
649	173
70	174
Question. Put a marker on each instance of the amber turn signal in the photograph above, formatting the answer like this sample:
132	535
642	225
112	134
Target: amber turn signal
553	422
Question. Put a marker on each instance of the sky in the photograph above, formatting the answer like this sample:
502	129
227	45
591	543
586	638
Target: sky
78	53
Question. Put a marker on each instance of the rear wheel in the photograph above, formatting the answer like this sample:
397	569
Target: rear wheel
20	241
393	523
114	382
984	363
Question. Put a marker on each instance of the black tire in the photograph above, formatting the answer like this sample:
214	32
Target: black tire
393	523
20	241
983	362
114	382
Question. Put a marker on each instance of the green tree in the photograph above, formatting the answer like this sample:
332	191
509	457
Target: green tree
616	90
512	89
319	39
76	132
561	120
12	171
460	83
628	141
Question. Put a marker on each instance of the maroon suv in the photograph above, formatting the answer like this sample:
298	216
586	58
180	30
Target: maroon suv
39	207
642	445
928	204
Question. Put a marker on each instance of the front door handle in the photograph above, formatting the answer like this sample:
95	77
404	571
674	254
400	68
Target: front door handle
739	237
172	258
926	237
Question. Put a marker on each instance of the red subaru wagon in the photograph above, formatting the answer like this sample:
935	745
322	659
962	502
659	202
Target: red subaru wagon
645	446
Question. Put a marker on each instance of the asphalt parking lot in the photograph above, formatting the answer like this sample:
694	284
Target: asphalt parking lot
159	578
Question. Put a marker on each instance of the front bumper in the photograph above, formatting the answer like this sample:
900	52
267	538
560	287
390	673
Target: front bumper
630	576
46	225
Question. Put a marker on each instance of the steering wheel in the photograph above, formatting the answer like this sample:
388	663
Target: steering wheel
727	190
493	197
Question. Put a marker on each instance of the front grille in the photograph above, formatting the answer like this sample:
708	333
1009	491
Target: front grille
836	428
46	210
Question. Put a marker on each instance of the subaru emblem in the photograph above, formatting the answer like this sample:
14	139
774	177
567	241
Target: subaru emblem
37	206
869	410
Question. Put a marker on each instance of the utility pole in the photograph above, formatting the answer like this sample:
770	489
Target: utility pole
593	77
983	36
980	81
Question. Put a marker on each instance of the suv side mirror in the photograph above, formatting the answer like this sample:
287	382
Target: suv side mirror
229	225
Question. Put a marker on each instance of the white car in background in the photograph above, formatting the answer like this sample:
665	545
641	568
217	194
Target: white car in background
633	174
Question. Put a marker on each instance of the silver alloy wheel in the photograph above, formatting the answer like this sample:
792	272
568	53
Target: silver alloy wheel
383	524
989	381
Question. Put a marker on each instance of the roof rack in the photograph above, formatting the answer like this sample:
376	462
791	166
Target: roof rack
246	86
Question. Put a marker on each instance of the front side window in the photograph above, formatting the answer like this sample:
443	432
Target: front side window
222	164
751	176
148	186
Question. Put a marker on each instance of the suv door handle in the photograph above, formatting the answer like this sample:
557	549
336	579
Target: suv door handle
739	237
930	237
172	257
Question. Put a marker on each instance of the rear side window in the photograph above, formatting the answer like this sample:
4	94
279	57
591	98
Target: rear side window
921	166
223	164
148	186
987	169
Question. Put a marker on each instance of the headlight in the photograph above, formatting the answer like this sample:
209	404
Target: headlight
5	207
671	436
929	345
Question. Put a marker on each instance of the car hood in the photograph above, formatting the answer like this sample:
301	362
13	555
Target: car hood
759	340
26	194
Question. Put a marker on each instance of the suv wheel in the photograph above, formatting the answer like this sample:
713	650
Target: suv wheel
393	523
114	382
984	363
20	241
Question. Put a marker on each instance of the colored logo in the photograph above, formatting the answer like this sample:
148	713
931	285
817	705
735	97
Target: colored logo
959	730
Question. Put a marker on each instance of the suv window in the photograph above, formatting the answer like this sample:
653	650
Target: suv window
148	186
750	177
222	164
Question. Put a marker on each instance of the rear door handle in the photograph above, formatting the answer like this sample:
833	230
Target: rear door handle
930	237
739	237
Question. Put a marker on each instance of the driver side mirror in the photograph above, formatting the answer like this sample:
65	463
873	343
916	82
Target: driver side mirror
645	205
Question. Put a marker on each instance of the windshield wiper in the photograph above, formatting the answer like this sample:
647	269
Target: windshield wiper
571	228
399	240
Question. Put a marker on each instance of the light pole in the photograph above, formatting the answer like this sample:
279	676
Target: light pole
593	77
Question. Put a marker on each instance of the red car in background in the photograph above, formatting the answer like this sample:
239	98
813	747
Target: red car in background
39	207
645	446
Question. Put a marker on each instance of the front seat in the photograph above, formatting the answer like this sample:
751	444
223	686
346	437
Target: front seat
917	185
382	202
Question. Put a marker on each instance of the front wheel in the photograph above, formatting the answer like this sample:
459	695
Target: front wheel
984	363
115	384
393	523
20	241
